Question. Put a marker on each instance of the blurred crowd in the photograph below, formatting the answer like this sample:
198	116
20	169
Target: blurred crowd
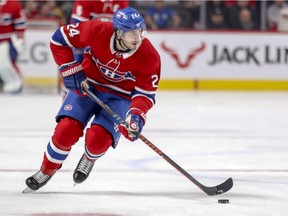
192	14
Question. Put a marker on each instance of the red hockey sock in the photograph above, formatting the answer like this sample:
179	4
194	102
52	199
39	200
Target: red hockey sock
67	133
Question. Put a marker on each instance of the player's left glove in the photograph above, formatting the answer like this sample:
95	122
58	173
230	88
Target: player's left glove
136	120
73	75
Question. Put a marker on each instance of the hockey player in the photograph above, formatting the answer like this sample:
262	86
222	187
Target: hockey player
122	68
12	27
102	10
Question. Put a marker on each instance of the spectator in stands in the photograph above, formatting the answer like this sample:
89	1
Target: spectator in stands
160	16
273	11
190	17
66	7
234	14
31	9
255	4
50	10
45	11
216	15
246	21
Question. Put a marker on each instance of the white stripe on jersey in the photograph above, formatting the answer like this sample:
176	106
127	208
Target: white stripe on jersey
144	91
5	36
20	23
55	42
110	86
65	37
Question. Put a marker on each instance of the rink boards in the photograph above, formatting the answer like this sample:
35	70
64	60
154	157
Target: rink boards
191	60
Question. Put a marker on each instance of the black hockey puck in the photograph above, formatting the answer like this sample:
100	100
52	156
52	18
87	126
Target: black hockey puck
223	201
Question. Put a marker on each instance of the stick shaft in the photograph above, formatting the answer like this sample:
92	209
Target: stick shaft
208	190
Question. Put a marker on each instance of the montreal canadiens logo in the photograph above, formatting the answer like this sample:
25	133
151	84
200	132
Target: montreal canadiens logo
68	107
176	54
134	126
118	15
113	75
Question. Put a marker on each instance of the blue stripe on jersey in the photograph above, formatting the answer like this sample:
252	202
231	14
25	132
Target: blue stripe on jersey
58	37
56	155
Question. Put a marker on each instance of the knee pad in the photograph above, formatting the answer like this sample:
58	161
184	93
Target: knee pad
97	141
67	133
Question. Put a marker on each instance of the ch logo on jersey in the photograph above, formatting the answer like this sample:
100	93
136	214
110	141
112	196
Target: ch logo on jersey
112	74
189	58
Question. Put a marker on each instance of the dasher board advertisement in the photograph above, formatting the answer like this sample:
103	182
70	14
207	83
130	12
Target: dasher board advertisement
222	55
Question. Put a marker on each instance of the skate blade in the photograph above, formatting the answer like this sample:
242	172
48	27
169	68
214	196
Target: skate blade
74	184
28	190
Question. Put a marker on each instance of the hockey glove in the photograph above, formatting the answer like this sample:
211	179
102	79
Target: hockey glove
73	75
135	119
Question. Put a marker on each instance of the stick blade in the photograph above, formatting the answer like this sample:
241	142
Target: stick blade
225	186
219	189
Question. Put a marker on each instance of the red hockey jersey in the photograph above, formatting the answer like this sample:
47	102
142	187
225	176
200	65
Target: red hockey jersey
133	74
12	19
100	9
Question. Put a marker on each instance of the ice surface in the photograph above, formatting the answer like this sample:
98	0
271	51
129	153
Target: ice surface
212	135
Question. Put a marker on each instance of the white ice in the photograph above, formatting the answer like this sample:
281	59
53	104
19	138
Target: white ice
212	135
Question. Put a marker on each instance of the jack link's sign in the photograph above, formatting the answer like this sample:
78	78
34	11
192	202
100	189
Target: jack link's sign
222	55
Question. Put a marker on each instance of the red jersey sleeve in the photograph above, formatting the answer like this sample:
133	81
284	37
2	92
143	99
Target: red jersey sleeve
77	35
19	19
81	35
148	76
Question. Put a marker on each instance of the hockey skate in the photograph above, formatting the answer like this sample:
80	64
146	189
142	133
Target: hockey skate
82	170
36	181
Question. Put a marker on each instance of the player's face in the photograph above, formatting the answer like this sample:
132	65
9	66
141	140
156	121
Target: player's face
132	39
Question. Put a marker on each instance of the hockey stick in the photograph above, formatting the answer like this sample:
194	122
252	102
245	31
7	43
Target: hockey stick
211	191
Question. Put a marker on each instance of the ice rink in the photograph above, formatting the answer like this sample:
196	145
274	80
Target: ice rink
212	135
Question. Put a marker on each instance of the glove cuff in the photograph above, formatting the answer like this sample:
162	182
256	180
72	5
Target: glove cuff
70	68
138	112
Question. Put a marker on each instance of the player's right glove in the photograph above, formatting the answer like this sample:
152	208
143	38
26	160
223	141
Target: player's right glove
73	75
136	120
